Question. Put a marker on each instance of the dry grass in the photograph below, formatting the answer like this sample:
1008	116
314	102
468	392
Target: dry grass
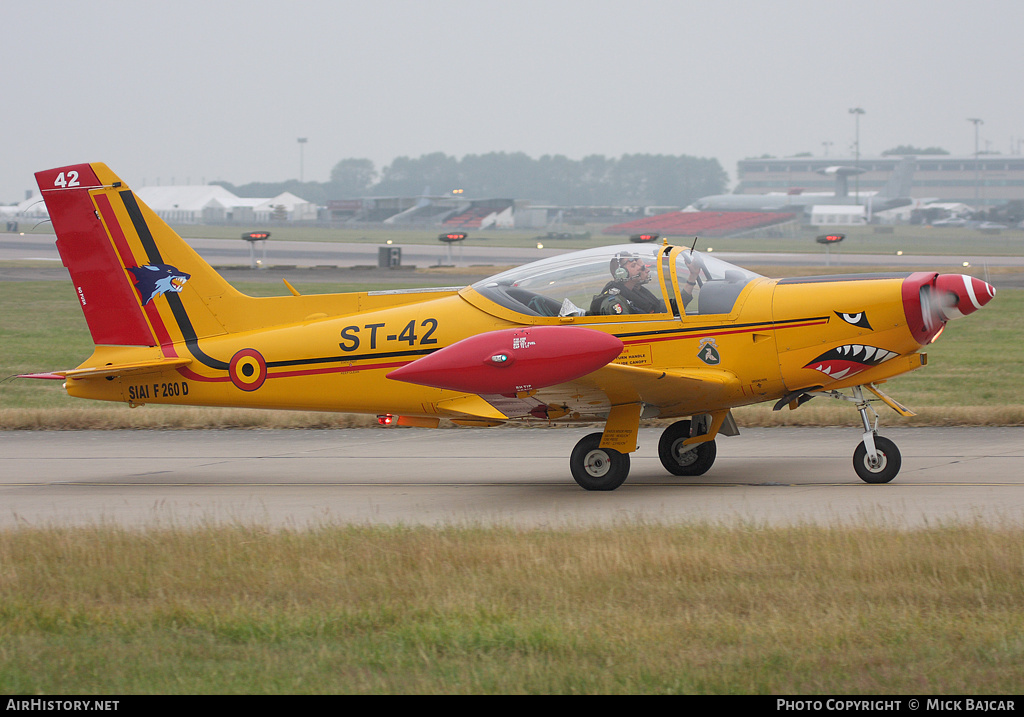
632	609
103	417
829	413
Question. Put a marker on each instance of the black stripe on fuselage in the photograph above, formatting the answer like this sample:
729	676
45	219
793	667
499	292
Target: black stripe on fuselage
766	325
836	278
357	357
188	332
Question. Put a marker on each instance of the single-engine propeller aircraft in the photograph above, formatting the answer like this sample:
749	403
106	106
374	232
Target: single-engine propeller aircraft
617	334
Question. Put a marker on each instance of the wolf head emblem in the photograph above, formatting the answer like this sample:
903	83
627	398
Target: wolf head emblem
154	280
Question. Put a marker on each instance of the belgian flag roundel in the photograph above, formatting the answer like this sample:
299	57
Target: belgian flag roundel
248	369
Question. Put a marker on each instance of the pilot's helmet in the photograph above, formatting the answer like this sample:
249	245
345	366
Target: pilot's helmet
617	266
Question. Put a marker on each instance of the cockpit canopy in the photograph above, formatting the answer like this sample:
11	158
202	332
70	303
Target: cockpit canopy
570	284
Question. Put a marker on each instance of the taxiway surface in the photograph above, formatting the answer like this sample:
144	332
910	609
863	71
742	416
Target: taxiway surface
504	476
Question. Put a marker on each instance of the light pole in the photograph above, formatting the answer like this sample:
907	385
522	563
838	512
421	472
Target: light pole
976	122
856	112
826	145
302	142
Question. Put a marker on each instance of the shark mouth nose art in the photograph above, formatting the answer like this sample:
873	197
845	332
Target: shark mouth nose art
850	359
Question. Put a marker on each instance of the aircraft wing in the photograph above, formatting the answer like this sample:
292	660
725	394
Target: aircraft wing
548	372
636	384
596	392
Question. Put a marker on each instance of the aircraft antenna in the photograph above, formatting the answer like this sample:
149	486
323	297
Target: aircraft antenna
693	245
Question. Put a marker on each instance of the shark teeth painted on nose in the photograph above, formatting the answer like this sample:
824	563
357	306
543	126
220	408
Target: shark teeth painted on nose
850	359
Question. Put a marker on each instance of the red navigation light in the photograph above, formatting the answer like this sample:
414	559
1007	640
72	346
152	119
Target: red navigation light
830	238
642	238
452	236
256	236
385	419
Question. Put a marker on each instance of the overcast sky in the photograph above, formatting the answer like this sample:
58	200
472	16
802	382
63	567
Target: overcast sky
196	91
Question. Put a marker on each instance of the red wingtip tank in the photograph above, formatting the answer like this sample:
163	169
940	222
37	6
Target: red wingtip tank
512	360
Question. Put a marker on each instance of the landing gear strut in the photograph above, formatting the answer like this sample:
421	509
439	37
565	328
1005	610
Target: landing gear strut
877	459
597	468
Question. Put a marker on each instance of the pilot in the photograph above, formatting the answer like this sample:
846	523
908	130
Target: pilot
625	294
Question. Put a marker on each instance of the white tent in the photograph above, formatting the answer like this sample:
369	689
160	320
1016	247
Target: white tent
837	215
297	208
192	204
212	203
189	204
33	207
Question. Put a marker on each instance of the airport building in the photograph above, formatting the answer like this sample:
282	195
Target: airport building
989	181
821	192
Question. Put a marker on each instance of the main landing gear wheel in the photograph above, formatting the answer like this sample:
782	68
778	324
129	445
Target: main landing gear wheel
596	468
680	460
885	468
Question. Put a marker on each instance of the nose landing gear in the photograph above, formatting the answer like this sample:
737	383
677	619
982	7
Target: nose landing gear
885	465
877	459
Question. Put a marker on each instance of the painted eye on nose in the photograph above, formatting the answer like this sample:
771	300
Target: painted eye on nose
859	319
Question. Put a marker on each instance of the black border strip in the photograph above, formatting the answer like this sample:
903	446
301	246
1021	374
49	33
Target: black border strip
355	357
188	332
836	278
767	325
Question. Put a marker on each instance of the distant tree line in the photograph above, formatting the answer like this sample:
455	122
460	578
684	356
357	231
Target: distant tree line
633	179
910	149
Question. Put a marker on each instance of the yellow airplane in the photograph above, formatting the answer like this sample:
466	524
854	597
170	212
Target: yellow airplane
619	334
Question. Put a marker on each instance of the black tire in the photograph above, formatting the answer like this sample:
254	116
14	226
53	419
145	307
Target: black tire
596	468
888	465
694	461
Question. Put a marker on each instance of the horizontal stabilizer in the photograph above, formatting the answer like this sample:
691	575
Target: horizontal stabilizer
127	368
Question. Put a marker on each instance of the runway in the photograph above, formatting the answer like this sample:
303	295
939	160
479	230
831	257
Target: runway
505	476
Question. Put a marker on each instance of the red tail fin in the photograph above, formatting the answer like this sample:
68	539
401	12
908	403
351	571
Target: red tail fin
93	258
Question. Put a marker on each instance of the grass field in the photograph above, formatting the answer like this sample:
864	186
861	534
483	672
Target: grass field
695	609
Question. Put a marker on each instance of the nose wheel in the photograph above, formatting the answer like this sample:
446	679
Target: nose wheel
877	459
885	464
